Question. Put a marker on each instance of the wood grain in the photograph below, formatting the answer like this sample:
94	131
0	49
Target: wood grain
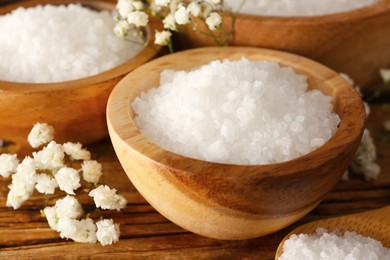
230	201
75	108
146	234
355	42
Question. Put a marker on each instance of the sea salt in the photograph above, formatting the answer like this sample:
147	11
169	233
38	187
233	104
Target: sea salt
323	245
237	112
59	43
296	7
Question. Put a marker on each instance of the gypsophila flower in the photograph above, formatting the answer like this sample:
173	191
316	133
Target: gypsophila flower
68	207
52	217
364	161
169	22
106	198
138	5
387	125
40	134
92	171
86	231
162	2
8	164
50	157
181	15
122	28
213	21
194	9
23	183
67	227
162	38
45	184
138	18
385	74
213	2
78	230
68	180
76	152
125	7
107	232
64	216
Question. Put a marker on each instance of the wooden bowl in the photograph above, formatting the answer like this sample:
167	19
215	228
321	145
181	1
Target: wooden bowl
231	201
355	42
75	108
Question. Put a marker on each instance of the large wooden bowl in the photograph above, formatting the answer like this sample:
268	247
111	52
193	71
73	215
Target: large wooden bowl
75	108
355	42
230	201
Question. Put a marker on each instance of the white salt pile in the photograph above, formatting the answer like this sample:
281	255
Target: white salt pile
331	246
237	112
59	43
295	7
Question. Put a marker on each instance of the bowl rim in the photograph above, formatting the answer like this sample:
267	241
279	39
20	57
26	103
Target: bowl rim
378	8
122	126
145	54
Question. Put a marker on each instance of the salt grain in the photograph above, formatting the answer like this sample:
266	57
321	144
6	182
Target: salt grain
59	43
323	245
296	7
236	112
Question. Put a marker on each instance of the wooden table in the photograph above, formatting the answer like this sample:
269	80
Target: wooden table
145	234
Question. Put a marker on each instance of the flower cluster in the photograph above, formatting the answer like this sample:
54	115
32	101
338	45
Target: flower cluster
47	170
364	162
173	13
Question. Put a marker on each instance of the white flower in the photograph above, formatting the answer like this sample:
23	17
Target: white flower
68	207
162	2
215	2
79	230
8	164
52	217
122	28
107	232
387	125
51	157
40	134
45	184
181	15
385	74
138	18
194	8
76	152
92	171
138	5
213	21
174	4
169	22
125	7
67	227
23	182
107	198
364	161
86	231
68	179
162	38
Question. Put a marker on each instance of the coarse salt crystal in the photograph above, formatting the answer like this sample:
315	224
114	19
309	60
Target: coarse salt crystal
296	7
323	246
219	113
59	43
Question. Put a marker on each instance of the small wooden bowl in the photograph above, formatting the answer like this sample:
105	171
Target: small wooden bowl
355	42
75	108
231	201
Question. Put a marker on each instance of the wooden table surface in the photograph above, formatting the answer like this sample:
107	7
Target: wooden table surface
145	234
